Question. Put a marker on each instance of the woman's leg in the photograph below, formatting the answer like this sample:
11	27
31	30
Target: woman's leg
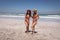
27	27
33	27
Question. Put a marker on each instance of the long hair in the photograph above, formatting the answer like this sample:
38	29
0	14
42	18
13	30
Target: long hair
28	12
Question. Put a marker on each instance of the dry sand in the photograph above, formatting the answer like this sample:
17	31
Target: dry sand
13	29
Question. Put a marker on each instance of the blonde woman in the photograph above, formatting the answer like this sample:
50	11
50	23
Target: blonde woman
35	17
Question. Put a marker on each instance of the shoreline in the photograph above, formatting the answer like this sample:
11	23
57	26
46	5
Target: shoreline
40	19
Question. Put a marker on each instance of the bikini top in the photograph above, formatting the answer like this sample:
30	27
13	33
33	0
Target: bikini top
35	16
27	17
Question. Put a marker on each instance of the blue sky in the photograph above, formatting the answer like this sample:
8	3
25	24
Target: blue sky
20	6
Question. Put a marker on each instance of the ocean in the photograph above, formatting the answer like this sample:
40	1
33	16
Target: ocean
55	18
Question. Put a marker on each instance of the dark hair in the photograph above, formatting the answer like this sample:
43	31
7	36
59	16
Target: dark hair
28	13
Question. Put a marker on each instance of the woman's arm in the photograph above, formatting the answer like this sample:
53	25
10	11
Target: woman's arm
38	16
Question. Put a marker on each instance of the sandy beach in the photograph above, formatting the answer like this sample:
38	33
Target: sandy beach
14	29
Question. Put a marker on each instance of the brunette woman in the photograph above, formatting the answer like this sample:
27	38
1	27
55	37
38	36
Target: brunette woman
27	20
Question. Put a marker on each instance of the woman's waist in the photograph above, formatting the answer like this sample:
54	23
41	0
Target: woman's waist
34	19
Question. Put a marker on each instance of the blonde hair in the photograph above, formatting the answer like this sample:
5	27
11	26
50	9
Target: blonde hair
35	10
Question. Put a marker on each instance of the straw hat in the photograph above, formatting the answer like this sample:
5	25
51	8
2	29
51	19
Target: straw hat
35	10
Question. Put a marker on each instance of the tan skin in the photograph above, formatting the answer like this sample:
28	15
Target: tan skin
27	20
35	18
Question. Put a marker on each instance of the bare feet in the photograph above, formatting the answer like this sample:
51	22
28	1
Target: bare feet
27	31
34	32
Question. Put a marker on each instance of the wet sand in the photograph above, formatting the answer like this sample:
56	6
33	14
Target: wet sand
13	29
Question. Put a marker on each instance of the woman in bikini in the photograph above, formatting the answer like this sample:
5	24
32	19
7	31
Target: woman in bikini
34	22
27	20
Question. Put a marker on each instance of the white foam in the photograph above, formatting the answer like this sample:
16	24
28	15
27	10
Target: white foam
10	16
49	16
55	17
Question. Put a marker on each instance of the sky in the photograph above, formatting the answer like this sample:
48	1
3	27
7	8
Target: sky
20	6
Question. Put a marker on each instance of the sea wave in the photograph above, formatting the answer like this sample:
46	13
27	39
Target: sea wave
11	16
49	16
